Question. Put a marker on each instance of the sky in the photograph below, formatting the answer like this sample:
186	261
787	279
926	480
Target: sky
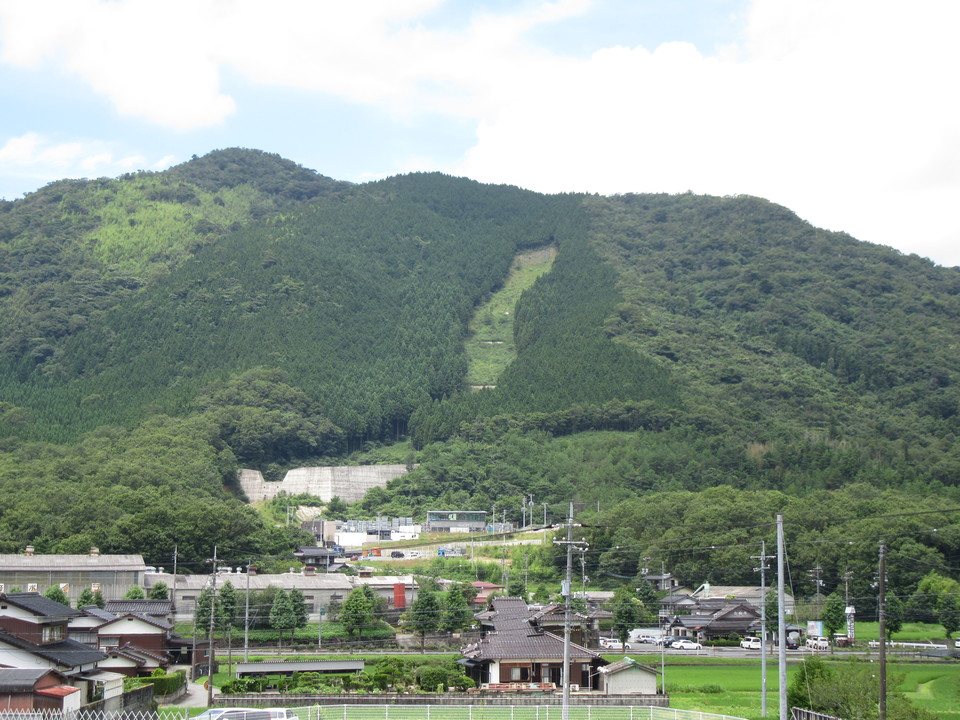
845	111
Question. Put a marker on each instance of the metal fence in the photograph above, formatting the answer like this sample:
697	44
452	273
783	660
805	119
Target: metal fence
410	712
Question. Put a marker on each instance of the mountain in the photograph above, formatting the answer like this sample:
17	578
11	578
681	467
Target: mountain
241	310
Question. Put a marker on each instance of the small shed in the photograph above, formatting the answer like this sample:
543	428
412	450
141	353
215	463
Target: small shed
628	677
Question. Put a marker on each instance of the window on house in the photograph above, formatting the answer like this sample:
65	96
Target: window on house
109	642
52	633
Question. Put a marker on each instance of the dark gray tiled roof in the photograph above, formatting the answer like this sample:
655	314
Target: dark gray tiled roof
140	607
94	611
530	645
18	680
39	605
67	653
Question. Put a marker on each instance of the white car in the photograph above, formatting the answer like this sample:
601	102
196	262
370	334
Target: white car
688	645
613	644
751	643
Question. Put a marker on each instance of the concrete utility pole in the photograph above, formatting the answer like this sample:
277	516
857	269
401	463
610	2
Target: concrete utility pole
763	557
882	710
246	620
781	622
568	608
213	612
173	591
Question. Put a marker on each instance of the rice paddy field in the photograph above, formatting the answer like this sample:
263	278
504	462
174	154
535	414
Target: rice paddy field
733	687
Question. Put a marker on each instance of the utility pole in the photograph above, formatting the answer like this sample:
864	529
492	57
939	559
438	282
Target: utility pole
815	574
246	620
882	714
781	621
663	644
568	607
523	511
763	557
213	612
173	592
544	514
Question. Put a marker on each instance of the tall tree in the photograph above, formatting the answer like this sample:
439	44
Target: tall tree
357	612
627	612
834	615
86	598
57	595
949	615
455	613
423	617
282	616
894	615
298	603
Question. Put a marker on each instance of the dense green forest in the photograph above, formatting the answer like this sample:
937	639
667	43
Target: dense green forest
684	352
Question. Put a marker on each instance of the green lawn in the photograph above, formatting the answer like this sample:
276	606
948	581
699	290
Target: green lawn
732	686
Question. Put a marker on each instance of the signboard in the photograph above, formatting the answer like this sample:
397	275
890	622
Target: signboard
814	628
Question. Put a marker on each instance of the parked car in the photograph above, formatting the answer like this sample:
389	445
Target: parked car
281	714
751	643
648	640
396	553
215	713
818	643
687	645
613	644
413	554
675	642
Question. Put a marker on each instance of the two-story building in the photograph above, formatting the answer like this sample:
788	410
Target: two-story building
34	635
456	521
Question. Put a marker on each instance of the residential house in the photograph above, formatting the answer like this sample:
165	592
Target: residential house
738	593
318	557
156	609
111	575
39	689
715	621
33	635
514	650
136	643
485	591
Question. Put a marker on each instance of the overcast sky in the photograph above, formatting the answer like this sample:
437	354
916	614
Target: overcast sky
845	111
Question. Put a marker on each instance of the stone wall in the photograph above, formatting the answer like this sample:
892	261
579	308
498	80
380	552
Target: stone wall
350	482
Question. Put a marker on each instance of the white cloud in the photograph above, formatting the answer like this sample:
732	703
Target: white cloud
44	160
840	109
843	110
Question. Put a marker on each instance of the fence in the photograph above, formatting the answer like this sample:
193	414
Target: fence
803	714
413	712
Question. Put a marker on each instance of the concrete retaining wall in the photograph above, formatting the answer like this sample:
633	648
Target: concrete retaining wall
350	482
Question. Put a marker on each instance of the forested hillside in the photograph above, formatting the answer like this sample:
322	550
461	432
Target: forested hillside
238	310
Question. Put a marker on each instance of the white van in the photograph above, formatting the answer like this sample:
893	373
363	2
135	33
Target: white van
751	643
818	643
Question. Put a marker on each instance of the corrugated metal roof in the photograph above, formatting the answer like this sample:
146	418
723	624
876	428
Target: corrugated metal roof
67	563
282	666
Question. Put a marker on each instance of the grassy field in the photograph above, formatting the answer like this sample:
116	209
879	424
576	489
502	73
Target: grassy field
732	686
489	343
